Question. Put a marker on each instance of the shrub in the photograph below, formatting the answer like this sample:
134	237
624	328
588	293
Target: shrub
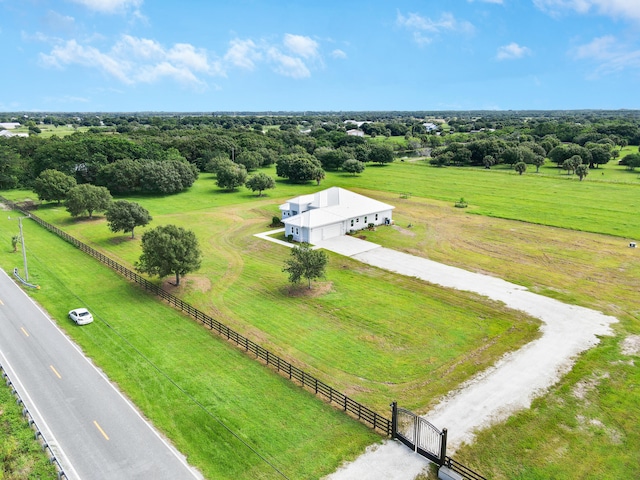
461	203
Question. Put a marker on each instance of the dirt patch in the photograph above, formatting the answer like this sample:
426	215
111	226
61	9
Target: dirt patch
119	240
403	231
583	387
316	290
597	427
631	345
199	284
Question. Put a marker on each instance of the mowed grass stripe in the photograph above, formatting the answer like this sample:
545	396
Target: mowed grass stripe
374	335
280	420
556	201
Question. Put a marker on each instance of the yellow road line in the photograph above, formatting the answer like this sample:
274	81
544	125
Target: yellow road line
24	331
101	431
55	371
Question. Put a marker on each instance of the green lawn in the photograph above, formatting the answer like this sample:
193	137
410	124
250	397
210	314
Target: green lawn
381	337
365	332
231	416
47	131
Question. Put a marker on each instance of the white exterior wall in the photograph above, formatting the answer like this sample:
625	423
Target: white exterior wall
363	221
292	230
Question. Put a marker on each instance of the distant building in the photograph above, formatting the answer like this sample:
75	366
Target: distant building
355	133
9	125
359	124
8	134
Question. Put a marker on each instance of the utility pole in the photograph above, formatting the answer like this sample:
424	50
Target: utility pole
24	251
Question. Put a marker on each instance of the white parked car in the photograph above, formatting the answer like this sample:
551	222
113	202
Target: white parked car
81	316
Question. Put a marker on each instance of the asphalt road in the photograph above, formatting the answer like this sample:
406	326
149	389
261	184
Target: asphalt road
95	432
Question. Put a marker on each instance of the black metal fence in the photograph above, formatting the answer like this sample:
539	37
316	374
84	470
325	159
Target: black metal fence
463	470
307	381
333	396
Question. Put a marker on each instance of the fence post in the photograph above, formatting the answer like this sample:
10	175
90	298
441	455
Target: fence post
394	419
443	446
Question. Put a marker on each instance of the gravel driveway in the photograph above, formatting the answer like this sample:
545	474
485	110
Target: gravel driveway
491	396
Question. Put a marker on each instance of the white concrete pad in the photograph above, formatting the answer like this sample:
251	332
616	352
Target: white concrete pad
347	245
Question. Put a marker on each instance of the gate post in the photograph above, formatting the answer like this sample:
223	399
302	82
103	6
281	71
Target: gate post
443	446
394	419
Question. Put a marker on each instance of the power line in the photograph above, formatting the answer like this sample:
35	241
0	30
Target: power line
173	382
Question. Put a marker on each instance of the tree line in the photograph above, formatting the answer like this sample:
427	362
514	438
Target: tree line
162	154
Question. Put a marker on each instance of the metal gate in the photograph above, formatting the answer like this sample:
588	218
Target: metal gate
418	434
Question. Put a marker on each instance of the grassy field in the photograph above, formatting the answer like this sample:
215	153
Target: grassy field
337	331
20	456
231	416
47	131
548	199
513	234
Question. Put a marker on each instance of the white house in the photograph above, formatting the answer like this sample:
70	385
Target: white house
331	213
355	133
8	134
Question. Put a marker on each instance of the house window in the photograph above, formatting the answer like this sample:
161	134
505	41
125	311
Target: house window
365	219
357	220
352	222
297	231
294	212
376	217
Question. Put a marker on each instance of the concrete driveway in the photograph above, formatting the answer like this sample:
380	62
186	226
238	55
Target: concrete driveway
347	246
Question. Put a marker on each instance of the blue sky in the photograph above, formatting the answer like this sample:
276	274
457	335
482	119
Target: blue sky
284	55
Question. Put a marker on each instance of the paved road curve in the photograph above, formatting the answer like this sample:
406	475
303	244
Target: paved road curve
94	431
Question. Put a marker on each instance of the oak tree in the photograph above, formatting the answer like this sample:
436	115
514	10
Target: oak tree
168	249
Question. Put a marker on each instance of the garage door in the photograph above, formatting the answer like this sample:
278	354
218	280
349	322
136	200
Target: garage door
331	231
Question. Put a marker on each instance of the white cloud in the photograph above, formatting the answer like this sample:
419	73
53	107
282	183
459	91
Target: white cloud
337	53
301	46
137	60
613	8
58	23
110	6
512	51
188	56
301	50
287	65
71	52
133	60
155	72
243	54
420	25
66	99
142	48
611	56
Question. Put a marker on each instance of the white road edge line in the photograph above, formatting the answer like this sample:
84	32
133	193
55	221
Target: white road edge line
40	421
173	450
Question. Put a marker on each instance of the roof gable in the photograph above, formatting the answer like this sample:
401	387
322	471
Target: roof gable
333	205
